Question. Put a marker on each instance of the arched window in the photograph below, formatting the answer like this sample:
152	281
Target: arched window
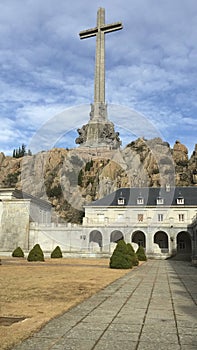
139	238
161	238
96	236
116	236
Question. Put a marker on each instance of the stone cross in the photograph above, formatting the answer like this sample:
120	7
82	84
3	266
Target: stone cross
99	32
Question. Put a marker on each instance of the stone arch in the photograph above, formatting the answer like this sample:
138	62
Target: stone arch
116	236
96	236
161	238
184	244
139	238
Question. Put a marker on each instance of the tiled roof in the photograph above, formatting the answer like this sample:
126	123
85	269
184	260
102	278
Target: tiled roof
150	196
18	194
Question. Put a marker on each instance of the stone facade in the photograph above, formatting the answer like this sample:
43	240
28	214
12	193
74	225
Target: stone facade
138	215
156	218
17	210
193	232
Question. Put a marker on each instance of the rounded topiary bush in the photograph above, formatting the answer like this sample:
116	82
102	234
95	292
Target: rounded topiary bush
56	253
132	254
120	258
141	254
18	253
36	254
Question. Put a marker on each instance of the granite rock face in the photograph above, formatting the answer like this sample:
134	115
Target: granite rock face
73	178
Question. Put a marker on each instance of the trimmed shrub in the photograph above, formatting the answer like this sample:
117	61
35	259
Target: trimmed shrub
36	254
133	255
141	254
56	253
18	253
120	258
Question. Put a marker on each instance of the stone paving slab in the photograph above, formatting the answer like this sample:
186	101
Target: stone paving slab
152	307
115	345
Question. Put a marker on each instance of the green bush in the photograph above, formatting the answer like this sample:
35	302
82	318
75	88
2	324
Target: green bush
55	191
141	254
18	253
80	178
56	253
89	165
133	255
120	258
36	254
11	179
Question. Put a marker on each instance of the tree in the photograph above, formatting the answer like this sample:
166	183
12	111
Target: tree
11	179
21	151
36	254
133	255
80	177
56	253
18	253
141	254
120	258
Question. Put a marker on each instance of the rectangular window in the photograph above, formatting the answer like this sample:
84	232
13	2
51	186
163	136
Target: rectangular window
100	217
181	217
182	245
180	201
140	217
140	200
106	220
160	201
121	201
160	217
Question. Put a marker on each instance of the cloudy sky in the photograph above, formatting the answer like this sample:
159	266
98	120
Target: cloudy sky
47	72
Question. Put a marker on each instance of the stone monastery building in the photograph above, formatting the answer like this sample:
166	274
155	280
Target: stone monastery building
162	220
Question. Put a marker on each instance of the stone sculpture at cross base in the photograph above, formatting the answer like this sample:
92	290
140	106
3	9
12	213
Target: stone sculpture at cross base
99	132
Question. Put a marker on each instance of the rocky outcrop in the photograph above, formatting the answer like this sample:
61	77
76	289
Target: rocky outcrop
72	178
192	165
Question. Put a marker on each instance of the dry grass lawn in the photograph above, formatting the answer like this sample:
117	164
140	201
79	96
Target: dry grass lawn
41	291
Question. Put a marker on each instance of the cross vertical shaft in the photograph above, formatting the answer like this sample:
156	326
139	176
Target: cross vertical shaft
99	32
99	82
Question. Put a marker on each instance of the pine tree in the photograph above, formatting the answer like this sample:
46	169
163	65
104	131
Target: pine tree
36	254
56	253
133	255
23	150
141	254
120	258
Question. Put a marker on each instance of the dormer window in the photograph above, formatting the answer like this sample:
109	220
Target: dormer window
121	199
140	200
180	199
160	200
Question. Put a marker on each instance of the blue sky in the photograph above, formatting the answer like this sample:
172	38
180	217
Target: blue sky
47	72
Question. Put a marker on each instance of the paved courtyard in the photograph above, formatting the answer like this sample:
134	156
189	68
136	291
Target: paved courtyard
153	307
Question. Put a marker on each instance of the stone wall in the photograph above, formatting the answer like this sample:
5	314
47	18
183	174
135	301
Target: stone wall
193	231
14	228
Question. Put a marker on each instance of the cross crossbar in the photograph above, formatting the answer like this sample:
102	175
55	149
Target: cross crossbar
88	33
105	28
